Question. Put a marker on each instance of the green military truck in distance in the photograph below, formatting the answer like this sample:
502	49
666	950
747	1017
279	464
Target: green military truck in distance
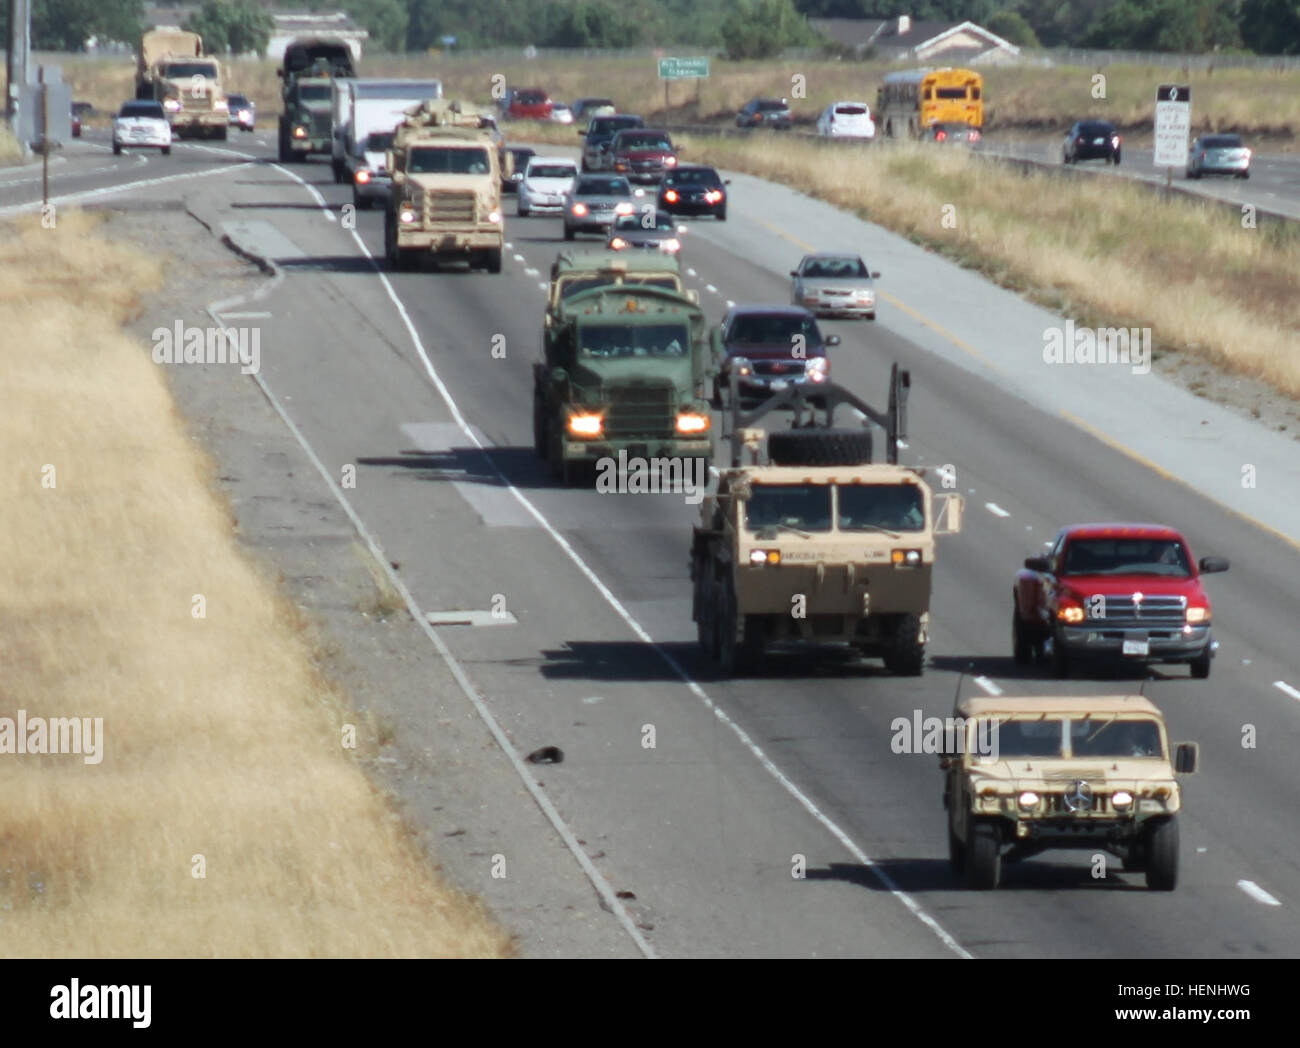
307	123
817	545
445	202
1025	774
626	369
578	269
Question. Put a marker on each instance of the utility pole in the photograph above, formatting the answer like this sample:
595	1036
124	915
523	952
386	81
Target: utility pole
17	53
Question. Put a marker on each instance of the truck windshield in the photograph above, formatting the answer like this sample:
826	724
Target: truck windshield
866	507
445	160
1108	737
571	286
611	341
313	92
189	70
1127	557
1023	738
806	507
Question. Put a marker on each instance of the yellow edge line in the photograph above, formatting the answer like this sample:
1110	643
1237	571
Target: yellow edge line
1142	460
1087	427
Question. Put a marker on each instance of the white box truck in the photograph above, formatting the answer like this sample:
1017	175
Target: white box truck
371	111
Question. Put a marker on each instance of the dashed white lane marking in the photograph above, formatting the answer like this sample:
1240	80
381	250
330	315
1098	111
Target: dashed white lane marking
531	271
245	316
988	686
730	302
542	284
517	258
690	272
1257	893
710	288
996	510
1286	689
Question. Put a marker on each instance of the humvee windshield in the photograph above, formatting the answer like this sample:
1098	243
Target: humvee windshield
1108	737
806	507
448	160
1024	738
611	341
866	507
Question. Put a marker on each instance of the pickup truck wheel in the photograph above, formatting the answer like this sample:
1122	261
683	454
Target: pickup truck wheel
722	214
1201	664
906	654
1060	660
984	857
824	447
1162	856
1022	644
956	853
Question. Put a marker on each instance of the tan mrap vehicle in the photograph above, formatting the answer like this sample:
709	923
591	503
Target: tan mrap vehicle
446	196
171	68
1024	775
817	545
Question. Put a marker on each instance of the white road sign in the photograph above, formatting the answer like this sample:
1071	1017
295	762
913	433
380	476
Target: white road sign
1173	124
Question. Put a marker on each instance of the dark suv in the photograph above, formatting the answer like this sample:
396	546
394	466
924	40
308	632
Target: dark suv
780	344
765	112
1091	140
693	189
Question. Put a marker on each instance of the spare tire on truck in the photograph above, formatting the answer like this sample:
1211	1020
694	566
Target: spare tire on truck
819	447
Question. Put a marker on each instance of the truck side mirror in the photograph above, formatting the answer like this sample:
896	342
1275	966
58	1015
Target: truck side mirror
1038	563
948	520
1209	565
1186	758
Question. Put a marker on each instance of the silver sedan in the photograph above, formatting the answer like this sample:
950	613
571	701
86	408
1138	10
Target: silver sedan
829	284
1218	155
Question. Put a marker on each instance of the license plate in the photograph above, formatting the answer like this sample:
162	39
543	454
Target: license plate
1098	141
1137	647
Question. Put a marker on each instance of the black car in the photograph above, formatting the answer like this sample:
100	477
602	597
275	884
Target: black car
1091	140
780	343
694	189
765	112
520	156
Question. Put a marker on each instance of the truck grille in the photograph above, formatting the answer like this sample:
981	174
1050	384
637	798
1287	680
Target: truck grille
449	207
1055	805
783	368
640	411
1123	610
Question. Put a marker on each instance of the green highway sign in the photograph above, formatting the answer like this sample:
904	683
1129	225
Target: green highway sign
683	68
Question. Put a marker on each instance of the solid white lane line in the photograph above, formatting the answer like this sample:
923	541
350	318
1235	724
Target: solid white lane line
988	686
1257	893
1286	689
996	510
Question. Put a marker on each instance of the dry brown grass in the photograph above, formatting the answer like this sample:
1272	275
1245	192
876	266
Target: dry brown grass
1102	250
10	151
220	739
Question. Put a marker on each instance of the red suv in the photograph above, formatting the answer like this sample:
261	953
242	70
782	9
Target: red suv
1120	592
529	103
642	155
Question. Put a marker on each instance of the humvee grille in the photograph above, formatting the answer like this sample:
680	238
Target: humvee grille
640	411
1056	804
450	206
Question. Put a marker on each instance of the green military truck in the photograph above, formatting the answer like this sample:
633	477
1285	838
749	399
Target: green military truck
577	269
817	545
307	123
626	369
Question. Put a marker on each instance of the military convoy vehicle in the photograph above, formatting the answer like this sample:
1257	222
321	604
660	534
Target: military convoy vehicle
171	68
817	544
445	201
625	368
1025	774
307	123
576	270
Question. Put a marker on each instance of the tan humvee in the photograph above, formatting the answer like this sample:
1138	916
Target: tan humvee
1092	772
446	196
821	547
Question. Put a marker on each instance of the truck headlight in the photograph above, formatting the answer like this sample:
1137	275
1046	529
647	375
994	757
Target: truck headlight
586	425
1121	800
221	105
617	244
672	245
1028	800
818	369
693	422
908	558
362	177
1070	613
406	214
624	208
300	131
494	216
764	556
1198	616
172	105
579	209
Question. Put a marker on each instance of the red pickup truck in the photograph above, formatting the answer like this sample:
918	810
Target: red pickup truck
1127	592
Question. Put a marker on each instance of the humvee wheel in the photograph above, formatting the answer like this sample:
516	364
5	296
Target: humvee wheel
906	655
984	861
1135	861
819	447
956	853
1022	645
1162	856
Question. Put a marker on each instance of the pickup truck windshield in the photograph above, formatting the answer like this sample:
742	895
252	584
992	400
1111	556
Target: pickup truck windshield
1167	557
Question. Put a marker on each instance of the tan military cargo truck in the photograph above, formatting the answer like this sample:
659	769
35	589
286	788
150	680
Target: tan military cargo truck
445	201
171	68
816	545
1027	774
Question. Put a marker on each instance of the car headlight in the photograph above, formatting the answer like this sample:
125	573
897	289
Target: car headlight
300	131
907	558
764	556
617	244
1028	800
713	196
671	196
172	105
586	425
818	369
406	213
579	209
624	208
1071	613
1121	800
1198	616
670	161
693	422
672	245
362	177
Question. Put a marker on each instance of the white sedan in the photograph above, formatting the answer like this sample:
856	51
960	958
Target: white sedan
846	120
142	123
545	182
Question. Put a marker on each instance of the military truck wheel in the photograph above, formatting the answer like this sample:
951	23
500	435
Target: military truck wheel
568	232
984	859
1162	856
725	626
222	133
539	427
1022	644
1201	664
956	853
906	654
492	260
822	447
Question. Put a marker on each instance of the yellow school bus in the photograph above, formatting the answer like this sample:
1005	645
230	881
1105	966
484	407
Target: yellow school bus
909	102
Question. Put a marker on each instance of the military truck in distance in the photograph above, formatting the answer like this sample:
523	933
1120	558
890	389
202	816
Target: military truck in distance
171	68
445	201
578	269
626	369
307	123
1094	772
817	545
